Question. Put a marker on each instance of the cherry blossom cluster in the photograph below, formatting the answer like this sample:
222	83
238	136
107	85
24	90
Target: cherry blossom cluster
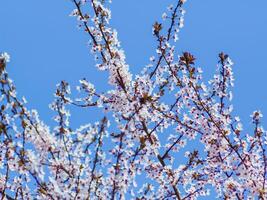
164	134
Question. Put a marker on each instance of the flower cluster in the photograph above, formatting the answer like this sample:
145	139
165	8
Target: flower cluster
166	134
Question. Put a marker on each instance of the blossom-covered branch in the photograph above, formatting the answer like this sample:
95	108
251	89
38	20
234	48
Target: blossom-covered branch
164	134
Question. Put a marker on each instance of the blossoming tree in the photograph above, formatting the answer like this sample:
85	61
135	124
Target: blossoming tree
145	148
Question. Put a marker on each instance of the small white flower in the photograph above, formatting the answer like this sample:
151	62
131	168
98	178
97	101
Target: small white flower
152	58
175	37
74	13
239	126
181	22
256	116
5	56
237	119
204	87
164	16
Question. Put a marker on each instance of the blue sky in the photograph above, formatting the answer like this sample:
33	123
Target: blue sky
46	47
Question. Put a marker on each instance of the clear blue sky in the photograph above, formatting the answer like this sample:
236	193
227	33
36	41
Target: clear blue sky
46	46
